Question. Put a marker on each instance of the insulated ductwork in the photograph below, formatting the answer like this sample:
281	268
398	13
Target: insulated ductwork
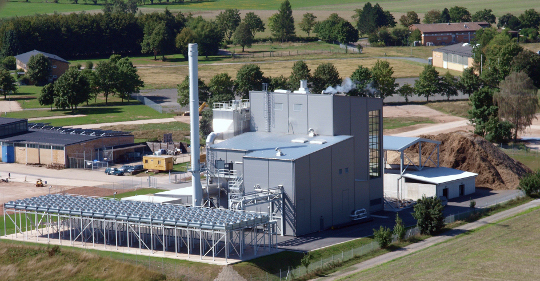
194	126
211	138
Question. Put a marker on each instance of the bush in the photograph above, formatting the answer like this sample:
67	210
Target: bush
9	63
472	204
428	213
399	228
530	183
306	260
383	236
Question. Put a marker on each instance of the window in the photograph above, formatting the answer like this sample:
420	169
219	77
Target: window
278	106
340	171
374	144
346	170
159	162
146	161
54	66
297	107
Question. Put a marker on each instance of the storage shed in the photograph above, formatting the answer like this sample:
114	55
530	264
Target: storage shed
158	162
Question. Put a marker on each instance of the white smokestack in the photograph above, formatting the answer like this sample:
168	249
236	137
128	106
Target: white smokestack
194	126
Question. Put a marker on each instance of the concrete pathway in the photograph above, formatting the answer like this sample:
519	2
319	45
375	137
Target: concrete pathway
55	117
429	242
9	106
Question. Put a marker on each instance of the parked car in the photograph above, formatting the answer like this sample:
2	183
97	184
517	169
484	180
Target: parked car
109	170
125	168
135	169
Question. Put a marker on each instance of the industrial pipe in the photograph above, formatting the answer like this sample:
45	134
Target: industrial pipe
193	57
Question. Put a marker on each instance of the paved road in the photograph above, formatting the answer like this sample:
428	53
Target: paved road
429	242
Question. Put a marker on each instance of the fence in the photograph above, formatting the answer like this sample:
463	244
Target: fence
133	183
146	101
271	54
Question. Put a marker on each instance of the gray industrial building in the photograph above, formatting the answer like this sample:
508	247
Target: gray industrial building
323	151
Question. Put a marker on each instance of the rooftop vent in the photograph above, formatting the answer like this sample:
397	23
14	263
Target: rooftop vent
279	152
311	133
303	88
317	142
299	141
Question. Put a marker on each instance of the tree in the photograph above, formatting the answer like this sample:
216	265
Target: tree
10	44
409	19
183	39
530	19
449	85
482	110
208	34
106	75
406	91
383	236
183	91
249	78
156	40
517	101
362	78
254	23
221	88
9	63
445	16
504	21
306	260
382	78
229	20
205	125
530	183
324	76
47	95
279	82
399	228
459	14
128	79
39	68
89	65
7	83
243	36
432	16
307	23
469	82
484	15
528	62
428	83
336	28
428	213
71	89
300	71
282	23
370	18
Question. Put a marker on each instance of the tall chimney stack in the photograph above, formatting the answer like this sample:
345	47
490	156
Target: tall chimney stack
194	126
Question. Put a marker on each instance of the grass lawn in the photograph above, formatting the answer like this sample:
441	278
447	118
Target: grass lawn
456	108
506	250
394	122
94	115
153	132
530	159
143	191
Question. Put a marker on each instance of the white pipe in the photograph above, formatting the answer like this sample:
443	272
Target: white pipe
194	126
211	138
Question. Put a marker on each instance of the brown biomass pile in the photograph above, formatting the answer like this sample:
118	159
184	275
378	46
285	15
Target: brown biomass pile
468	152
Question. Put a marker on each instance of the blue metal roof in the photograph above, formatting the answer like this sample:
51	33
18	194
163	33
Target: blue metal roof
263	145
402	143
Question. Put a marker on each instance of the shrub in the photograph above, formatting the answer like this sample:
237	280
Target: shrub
383	236
306	260
472	204
9	63
399	228
530	183
428	214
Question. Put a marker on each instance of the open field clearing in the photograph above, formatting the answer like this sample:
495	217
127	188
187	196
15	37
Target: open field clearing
499	7
455	108
169	77
153	132
507	250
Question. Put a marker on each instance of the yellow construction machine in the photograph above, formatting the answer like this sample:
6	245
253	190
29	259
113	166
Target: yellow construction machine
39	183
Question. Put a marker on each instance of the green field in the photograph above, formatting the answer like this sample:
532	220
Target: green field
506	250
394	123
530	159
499	7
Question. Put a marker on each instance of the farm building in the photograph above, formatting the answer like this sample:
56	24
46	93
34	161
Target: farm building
413	178
448	33
323	153
31	143
59	65
456	57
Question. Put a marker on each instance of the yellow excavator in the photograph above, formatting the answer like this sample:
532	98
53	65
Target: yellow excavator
39	183
201	108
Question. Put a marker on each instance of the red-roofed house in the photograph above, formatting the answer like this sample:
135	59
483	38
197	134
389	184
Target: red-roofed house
448	33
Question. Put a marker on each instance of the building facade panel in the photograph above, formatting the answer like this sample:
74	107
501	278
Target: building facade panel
320	114
280	114
342	181
302	191
298	114
342	115
320	166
